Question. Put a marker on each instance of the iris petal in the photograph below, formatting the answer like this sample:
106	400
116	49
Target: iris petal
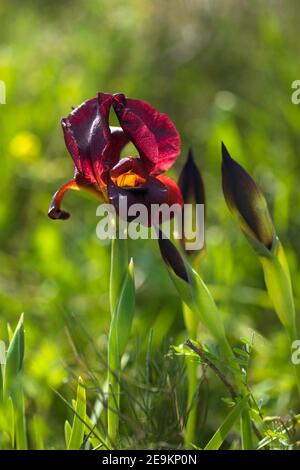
77	133
153	133
93	145
164	131
55	211
156	191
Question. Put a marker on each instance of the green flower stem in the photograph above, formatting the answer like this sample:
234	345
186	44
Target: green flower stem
246	429
191	324
119	263
245	422
203	304
118	268
113	401
279	287
123	303
199	300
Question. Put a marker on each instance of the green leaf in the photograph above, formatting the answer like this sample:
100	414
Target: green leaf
123	316
77	432
38	427
20	419
68	431
198	298
278	283
11	420
223	431
14	356
1	383
95	437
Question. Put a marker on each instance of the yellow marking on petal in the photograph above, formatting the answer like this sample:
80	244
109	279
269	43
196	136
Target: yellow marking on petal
129	180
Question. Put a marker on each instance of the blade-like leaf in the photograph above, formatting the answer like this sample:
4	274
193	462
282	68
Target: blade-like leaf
95	437
220	435
68	431
122	319
15	354
77	432
11	420
20	419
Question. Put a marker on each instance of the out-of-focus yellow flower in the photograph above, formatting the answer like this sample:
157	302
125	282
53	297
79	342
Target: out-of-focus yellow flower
25	146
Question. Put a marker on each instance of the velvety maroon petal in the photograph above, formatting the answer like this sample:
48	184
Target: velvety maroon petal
87	135
76	128
114	148
164	130
153	133
137	131
174	193
128	165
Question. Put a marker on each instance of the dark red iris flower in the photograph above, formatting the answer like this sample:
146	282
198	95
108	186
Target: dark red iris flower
96	147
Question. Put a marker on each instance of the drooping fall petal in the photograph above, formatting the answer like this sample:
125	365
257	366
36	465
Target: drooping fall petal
174	193
247	202
152	194
55	212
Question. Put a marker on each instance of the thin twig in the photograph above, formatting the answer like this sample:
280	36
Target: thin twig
210	364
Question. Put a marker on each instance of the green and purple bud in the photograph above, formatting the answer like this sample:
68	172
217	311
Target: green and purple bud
248	205
191	186
190	182
172	257
193	292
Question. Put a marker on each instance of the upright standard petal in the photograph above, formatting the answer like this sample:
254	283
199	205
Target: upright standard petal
153	133
87	135
112	152
247	202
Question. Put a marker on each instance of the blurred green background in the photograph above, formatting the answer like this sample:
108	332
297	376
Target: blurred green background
222	70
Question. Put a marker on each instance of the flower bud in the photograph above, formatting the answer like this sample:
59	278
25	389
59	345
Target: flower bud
192	189
172	257
248	204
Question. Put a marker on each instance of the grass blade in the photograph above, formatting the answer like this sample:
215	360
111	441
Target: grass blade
77	432
220	435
